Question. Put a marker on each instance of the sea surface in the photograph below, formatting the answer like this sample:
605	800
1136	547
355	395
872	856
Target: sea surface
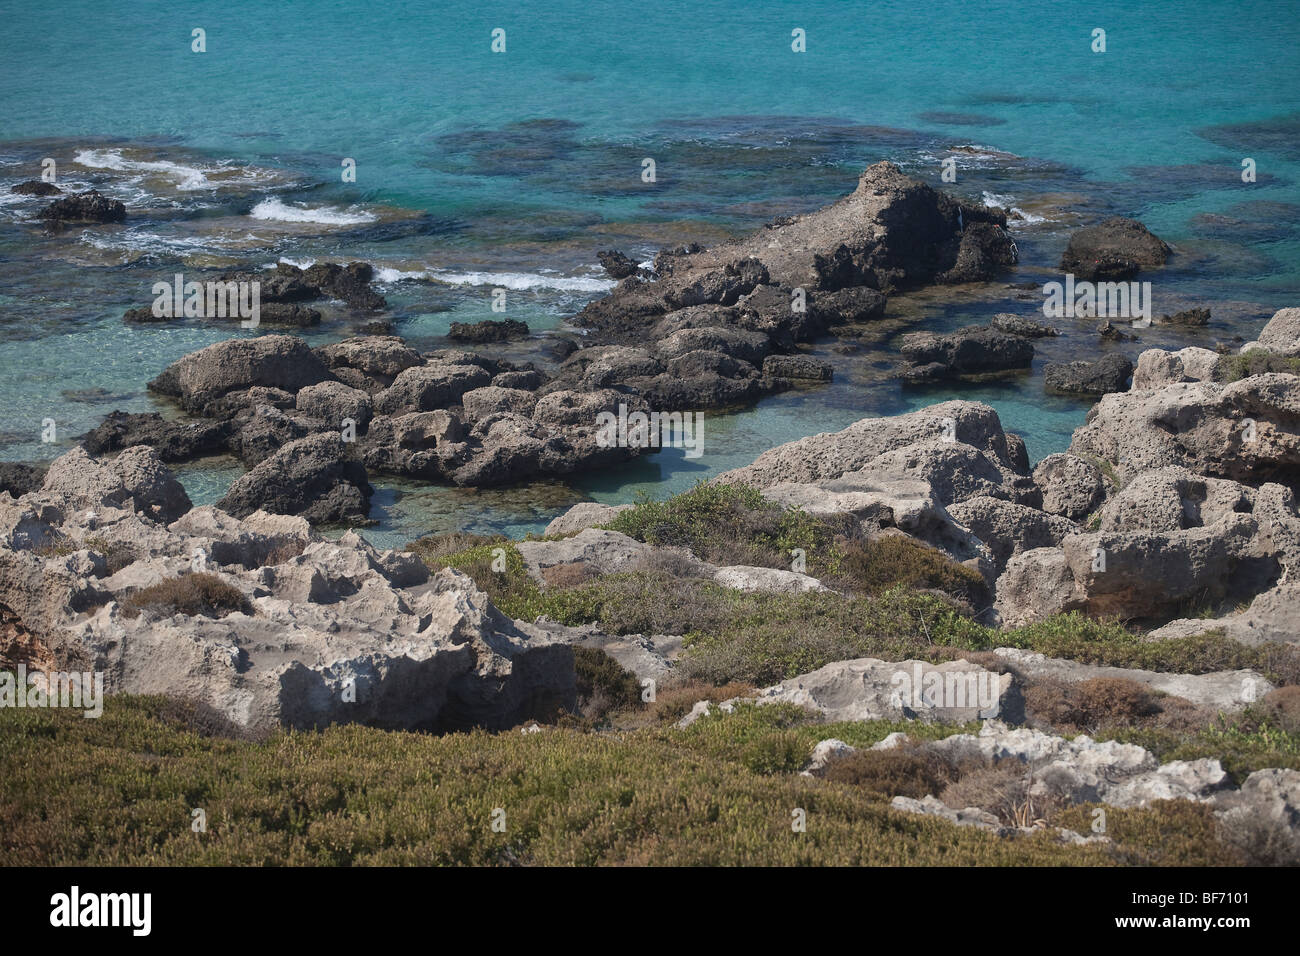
478	170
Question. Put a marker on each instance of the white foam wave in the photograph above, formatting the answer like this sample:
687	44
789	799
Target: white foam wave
277	210
187	178
997	201
522	281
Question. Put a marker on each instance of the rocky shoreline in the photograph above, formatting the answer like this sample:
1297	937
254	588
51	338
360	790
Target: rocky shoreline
1174	510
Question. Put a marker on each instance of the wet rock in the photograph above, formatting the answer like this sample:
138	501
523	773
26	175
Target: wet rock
1112	250
173	441
798	367
1110	373
1017	325
615	264
350	283
87	207
973	350
35	187
489	330
1188	317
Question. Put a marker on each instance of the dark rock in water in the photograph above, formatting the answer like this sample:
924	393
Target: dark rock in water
1112	250
93	396
269	313
960	119
559	347
172	441
852	306
800	367
616	265
970	351
35	187
259	431
288	313
1016	325
1110	373
89	206
351	283
1187	317
145	314
312	477
1112	333
984	251
375	327
489	330
284	284
18	479
892	232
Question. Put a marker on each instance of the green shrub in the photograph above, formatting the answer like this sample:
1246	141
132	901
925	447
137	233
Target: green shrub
1233	368
728	524
603	684
888	561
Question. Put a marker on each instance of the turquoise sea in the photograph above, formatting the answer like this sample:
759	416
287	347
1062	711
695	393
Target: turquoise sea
478	170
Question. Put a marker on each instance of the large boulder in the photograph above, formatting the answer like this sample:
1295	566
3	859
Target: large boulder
1248	431
369	362
1282	333
1112	250
276	361
89	206
334	402
312	477
969	351
1110	373
892	232
136	480
429	387
1157	367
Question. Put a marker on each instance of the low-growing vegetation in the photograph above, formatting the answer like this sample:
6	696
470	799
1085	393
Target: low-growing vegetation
1257	361
198	593
120	790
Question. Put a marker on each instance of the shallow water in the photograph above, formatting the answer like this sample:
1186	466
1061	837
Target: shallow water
479	170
